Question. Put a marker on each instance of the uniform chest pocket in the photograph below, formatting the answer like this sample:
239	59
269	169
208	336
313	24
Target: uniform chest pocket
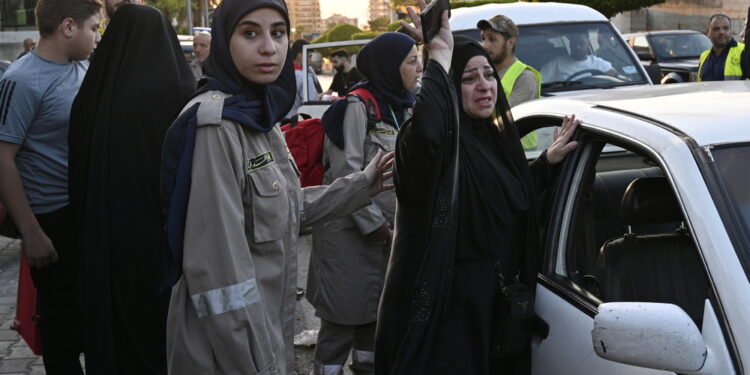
270	204
379	138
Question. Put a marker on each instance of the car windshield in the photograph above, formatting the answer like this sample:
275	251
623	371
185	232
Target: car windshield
679	46
603	60
731	163
580	55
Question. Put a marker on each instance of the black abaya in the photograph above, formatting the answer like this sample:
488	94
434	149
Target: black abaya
493	223
136	85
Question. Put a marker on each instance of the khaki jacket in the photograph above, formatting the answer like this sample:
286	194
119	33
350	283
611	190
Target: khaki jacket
232	312
347	270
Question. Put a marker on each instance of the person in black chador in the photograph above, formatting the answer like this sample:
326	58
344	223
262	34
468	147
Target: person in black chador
134	88
464	223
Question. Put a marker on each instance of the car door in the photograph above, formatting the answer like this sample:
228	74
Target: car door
565	305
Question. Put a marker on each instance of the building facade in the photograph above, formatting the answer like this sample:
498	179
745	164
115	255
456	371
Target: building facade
682	15
380	9
336	19
304	16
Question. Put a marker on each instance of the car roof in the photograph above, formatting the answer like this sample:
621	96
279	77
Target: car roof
523	13
661	32
708	112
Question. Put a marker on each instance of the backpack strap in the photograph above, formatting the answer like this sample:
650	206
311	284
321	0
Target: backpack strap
371	104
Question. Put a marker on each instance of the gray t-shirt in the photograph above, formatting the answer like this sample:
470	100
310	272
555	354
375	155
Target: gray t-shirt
35	100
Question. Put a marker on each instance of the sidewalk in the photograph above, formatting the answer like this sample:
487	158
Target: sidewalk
15	356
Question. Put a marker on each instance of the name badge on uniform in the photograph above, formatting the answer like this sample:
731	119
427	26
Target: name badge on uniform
259	162
381	131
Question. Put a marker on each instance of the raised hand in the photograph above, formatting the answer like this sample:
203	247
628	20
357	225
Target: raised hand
562	145
441	46
378	171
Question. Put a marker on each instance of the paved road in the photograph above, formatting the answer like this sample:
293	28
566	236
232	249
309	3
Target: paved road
16	358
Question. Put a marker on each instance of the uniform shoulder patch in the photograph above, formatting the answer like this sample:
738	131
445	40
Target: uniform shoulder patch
381	131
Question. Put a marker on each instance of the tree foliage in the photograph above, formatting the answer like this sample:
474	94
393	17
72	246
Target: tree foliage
342	31
365	35
171	8
378	24
609	8
400	3
468	4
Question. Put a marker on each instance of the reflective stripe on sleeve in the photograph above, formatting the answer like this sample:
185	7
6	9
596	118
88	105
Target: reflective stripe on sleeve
228	298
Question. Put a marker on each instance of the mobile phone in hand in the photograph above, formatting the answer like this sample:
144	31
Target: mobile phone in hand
431	18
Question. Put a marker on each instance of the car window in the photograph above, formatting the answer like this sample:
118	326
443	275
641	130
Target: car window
578	56
679	46
640	45
618	251
731	164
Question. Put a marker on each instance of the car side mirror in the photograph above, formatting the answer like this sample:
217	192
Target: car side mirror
653	335
646	56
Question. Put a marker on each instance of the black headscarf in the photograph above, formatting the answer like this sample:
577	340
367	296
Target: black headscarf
256	107
490	156
136	84
379	61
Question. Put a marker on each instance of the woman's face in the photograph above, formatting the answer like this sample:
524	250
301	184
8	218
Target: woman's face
259	45
478	88
411	70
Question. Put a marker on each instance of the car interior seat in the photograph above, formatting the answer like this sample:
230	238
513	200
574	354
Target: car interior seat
600	215
664	267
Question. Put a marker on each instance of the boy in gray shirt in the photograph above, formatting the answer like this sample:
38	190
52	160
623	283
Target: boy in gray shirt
36	94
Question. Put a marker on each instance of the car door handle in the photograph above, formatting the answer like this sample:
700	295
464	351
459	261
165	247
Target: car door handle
539	327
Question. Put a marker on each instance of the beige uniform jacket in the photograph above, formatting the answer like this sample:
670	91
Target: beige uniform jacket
346	272
232	312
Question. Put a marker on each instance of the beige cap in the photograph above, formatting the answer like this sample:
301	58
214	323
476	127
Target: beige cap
500	24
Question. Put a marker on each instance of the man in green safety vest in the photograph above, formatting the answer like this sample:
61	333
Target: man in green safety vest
519	81
722	62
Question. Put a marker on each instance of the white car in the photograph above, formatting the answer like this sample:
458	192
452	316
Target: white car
647	248
545	30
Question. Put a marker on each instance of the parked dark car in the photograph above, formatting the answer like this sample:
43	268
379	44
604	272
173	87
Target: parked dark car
669	56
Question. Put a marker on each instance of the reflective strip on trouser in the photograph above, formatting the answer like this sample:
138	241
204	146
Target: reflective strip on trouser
320	369
361	356
228	298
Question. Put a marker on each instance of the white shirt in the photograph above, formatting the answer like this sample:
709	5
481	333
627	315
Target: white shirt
312	93
562	67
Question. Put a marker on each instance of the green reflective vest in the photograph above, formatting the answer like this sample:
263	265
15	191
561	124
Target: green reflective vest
733	65
508	82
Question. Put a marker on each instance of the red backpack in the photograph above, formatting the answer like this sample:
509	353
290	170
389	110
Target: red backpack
306	138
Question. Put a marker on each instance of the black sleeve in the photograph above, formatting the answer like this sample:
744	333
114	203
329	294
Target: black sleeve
542	172
424	136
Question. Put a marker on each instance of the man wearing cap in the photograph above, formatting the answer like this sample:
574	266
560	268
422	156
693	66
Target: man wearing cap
520	82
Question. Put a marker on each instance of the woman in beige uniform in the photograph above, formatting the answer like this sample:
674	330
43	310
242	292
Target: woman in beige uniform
234	205
350	254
